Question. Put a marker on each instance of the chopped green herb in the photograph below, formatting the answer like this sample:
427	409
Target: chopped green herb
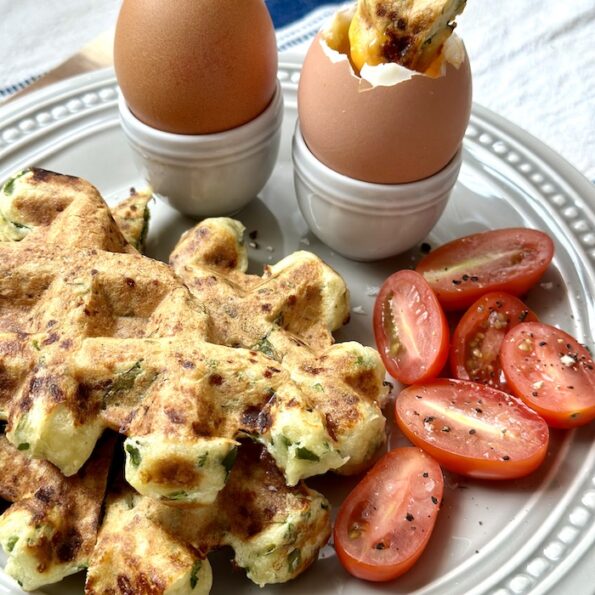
264	346
203	459
290	533
229	459
318	387
130	501
285	440
134	453
12	541
293	560
123	382
324	505
145	229
359	360
302	452
23	446
9	185
35	344
176	496
270	549
212	363
194	573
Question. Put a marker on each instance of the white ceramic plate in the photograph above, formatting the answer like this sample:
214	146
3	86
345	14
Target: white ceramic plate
535	535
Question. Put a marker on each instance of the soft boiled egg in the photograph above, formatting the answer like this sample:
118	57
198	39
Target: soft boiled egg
385	124
195	66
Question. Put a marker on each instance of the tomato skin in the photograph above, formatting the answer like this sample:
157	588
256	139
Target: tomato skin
396	504
510	260
551	372
423	333
461	423
482	329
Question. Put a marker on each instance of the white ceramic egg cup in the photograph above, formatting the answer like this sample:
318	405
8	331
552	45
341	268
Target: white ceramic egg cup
211	174
366	221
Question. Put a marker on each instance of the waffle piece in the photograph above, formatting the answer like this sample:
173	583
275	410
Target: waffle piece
275	531
24	211
132	217
331	410
50	530
135	555
408	32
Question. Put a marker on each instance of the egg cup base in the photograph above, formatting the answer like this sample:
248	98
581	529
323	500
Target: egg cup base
364	221
207	175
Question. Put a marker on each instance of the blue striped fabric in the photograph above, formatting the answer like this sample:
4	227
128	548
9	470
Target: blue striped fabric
7	91
285	12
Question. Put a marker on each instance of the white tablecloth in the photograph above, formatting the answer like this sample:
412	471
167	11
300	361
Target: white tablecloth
533	61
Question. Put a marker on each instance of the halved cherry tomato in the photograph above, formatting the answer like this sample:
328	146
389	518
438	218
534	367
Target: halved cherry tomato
551	372
476	341
510	260
410	328
473	429
385	523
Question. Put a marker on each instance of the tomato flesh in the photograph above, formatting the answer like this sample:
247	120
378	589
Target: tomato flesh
473	429
476	341
385	523
551	372
410	328
510	260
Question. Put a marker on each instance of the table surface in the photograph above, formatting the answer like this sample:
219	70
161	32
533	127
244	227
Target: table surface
532	62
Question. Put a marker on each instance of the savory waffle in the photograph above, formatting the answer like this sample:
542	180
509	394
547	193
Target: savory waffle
50	530
96	336
72	275
329	411
275	532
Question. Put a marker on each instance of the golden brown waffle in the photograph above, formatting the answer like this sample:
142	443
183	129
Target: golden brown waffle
135	555
50	530
132	217
408	32
275	532
289	314
65	280
95	335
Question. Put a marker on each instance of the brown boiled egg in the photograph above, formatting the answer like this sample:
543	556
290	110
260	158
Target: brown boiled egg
386	124
195	66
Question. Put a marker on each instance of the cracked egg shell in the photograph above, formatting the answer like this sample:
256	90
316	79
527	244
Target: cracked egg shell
387	133
195	66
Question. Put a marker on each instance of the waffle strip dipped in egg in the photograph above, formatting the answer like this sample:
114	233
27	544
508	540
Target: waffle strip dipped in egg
408	32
